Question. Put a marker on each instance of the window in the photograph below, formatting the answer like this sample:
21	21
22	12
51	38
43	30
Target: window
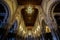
56	12
4	13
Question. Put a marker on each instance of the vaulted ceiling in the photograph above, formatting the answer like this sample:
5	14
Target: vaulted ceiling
36	2
29	19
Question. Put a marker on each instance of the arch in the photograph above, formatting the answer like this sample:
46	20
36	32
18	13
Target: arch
10	7
53	22
23	30
53	10
50	17
4	13
12	4
57	13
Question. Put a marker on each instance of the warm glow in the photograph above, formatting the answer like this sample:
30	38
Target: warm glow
29	33
24	32
29	9
35	32
48	29
38	28
20	28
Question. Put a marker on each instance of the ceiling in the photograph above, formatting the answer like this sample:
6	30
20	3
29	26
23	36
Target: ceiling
22	2
29	19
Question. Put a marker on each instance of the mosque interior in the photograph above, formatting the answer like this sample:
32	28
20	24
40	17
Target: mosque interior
29	19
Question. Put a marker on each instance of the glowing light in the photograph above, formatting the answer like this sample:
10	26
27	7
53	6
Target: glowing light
48	29
20	28
38	28
35	31
29	33
29	9
24	32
